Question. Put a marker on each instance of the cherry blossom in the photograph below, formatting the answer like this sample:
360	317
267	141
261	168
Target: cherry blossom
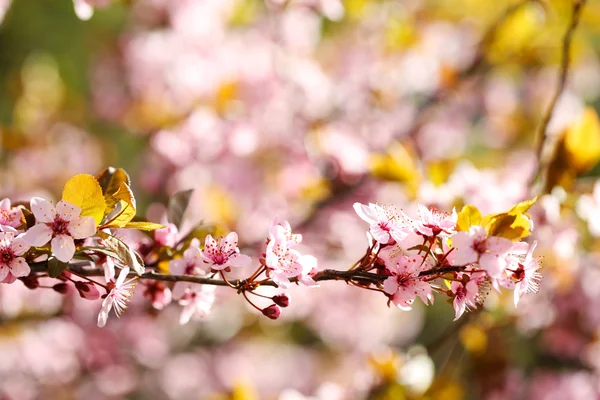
167	236
433	222
523	270
10	217
224	254
466	294
196	302
284	263
404	284
120	293
386	225
475	246
62	225
12	266
192	263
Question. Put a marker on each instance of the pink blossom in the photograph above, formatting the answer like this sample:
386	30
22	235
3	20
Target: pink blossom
475	246
12	266
386	225
404	284
196	303
292	238
62	224
523	270
224	254
433	222
284	263
10	217
273	311
192	263
159	294
466	294
120	293
167	236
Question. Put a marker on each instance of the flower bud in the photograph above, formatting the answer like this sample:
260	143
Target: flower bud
273	311
61	288
166	236
282	300
87	290
31	282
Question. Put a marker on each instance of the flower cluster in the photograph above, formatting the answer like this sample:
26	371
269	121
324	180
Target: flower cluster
470	258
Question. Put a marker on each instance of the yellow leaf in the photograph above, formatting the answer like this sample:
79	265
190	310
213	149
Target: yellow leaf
582	141
85	192
467	217
522	207
510	226
143	226
396	164
122	205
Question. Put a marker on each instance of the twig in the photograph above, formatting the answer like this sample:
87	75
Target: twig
542	132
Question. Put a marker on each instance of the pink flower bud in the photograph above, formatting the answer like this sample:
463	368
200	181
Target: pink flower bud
282	300
87	290
273	311
61	288
31	282
159	294
166	236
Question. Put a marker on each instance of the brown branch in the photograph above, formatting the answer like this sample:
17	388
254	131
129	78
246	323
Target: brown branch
542	132
325	275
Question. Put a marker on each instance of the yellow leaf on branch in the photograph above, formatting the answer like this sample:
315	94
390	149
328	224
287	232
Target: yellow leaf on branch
85	192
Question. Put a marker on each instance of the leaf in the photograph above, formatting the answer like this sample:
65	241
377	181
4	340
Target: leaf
582	141
178	204
510	226
124	253
110	179
467	217
84	191
143	226
522	207
396	164
55	267
123	200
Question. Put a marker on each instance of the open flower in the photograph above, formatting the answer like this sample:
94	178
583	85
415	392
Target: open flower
11	264
192	263
386	225
10	217
433	222
523	270
224	254
62	225
466	295
120	293
284	263
475	245
404	284
197	302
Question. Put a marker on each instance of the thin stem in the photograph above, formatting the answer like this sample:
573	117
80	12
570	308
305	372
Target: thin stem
542	132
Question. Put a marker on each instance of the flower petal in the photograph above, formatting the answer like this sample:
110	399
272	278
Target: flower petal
38	235
103	314
239	260
67	211
19	246
18	267
3	271
82	227
63	247
122	275
390	286
42	209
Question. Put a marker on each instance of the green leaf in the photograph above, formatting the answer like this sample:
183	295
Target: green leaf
143	226
178	204
55	267
84	191
124	253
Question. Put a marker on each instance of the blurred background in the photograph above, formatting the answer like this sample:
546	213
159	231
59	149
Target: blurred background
299	108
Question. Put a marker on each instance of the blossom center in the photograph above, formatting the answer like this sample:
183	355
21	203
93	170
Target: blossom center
60	226
6	255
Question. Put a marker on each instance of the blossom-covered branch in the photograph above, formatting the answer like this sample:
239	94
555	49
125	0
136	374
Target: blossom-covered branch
83	237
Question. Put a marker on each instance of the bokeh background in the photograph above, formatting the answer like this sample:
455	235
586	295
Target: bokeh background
299	108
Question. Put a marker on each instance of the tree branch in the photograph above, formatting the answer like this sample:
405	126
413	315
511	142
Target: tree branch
542	132
325	275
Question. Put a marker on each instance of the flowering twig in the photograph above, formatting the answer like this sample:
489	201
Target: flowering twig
542	132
